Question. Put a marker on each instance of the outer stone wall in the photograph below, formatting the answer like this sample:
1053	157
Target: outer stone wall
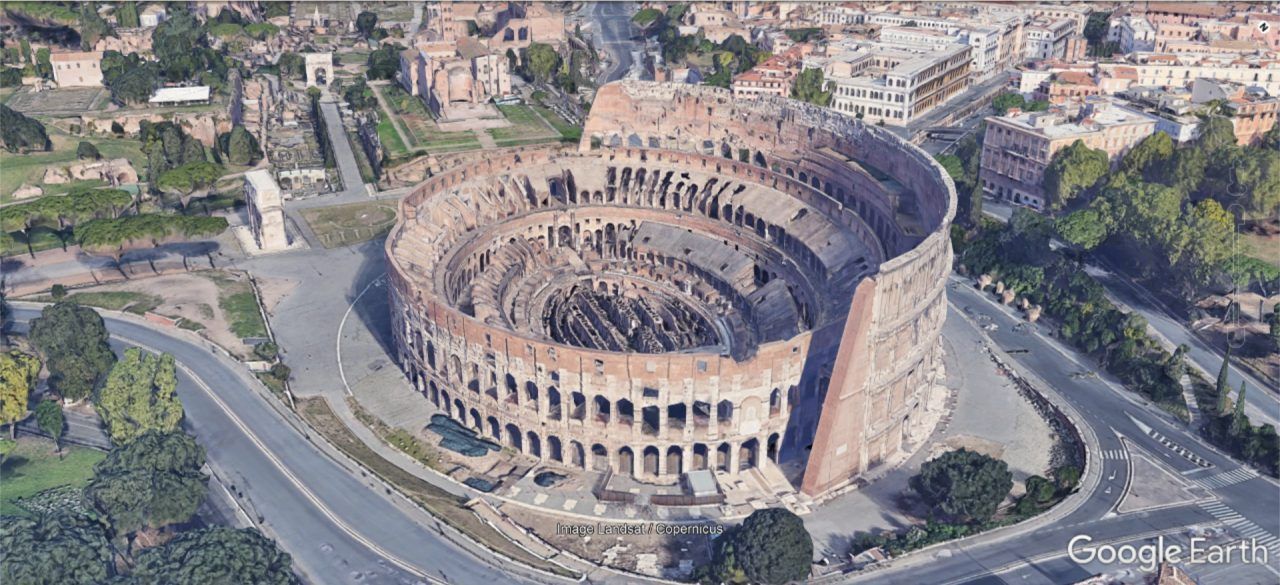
849	385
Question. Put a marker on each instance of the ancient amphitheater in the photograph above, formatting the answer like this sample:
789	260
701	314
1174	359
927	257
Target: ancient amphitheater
703	283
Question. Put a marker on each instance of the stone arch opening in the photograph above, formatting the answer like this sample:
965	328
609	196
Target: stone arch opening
600	409
675	459
722	457
651	456
577	406
772	447
747	454
533	444
555	450
475	419
699	460
495	429
626	412
514	438
554	411
627	461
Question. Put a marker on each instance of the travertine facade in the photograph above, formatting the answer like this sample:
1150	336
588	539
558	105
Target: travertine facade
266	211
705	283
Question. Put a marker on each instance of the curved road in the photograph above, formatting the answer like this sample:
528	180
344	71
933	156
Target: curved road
338	528
1249	504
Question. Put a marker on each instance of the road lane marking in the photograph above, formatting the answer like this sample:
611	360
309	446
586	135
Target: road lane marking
306	492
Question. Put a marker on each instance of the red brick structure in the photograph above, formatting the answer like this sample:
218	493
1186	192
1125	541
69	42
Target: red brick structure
704	283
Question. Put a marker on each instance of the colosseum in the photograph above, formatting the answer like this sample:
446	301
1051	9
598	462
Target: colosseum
702	283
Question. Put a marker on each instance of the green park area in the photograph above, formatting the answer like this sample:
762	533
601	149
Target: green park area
29	169
343	225
419	127
239	304
31	465
531	126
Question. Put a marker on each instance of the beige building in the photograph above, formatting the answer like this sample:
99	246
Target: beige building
266	211
895	84
78	69
1179	71
1019	146
455	79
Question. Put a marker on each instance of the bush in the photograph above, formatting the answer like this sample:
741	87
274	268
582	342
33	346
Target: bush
771	546
266	351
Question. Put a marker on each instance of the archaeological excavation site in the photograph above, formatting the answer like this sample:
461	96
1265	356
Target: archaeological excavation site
702	283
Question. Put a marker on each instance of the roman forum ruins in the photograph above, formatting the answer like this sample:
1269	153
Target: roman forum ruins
703	283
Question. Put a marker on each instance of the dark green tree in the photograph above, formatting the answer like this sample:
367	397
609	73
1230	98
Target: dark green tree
150	482
771	546
56	548
22	134
275	9
1007	101
240	147
73	341
365	23
1072	171
50	420
1216	132
963	486
543	61
127	15
1222	389
384	63
216	555
810	87
1239	420
1149	157
86	150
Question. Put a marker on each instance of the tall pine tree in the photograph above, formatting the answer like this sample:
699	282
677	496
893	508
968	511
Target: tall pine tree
1223	386
1239	421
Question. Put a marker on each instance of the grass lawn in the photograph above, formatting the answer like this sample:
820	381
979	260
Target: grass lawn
132	302
30	168
420	126
527	127
343	225
33	466
239	305
1264	248
567	131
440	503
389	137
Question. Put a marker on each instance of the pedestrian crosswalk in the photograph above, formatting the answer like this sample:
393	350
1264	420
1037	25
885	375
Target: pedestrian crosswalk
1243	527
1114	454
1226	478
1179	449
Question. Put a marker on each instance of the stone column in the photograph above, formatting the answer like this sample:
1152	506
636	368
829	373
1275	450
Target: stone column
733	458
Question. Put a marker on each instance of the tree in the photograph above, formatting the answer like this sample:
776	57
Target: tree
1222	388
149	483
217	555
57	548
127	15
1007	101
240	146
810	87
21	134
276	9
291	65
139	396
384	63
91	26
1210	236
1073	170
73	341
360	96
543	61
1148	157
963	486
50	419
1239	421
190	180
771	546
365	23
18	374
1216	133
1257	175
1083	228
86	150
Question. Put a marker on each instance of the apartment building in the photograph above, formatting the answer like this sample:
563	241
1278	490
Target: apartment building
996	38
1047	39
1132	33
1018	146
895	84
1179	71
1253	110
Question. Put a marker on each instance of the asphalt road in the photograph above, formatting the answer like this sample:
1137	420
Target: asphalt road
613	25
1110	412
338	528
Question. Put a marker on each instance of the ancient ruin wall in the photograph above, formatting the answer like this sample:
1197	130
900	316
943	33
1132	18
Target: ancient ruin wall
895	199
